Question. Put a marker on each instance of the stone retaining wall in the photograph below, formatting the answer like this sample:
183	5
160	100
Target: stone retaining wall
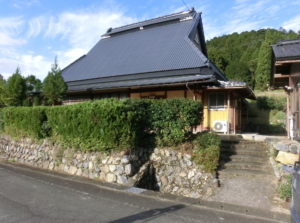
284	145
164	170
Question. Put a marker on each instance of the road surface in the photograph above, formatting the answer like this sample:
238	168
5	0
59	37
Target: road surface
34	195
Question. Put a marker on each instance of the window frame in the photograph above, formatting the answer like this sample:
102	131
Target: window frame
218	97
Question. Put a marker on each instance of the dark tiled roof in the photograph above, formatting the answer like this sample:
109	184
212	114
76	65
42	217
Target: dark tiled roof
165	47
287	49
144	82
144	24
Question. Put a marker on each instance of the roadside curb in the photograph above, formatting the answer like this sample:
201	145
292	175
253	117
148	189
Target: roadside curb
220	206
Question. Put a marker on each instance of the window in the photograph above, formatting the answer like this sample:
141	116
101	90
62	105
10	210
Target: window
197	38
216	101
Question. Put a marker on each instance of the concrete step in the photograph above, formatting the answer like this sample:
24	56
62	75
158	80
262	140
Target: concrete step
245	173
244	152
249	146
247	165
241	142
249	158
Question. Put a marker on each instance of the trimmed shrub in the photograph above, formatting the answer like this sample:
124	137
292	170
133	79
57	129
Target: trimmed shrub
172	120
206	150
108	124
24	121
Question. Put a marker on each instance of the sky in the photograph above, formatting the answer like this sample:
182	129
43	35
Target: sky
34	32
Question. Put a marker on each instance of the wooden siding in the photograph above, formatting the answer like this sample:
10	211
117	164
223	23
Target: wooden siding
211	115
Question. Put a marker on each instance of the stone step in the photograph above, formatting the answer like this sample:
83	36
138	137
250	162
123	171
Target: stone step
250	146
247	165
241	142
249	158
245	173
244	152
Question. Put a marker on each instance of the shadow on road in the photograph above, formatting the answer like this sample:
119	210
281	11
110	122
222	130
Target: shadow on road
148	215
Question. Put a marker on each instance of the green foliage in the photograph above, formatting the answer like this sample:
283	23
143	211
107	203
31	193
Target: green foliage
276	103
108	124
263	71
24	121
54	87
246	56
206	150
171	120
15	90
33	84
2	92
284	188
1	120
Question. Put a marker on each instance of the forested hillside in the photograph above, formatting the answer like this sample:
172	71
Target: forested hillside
247	56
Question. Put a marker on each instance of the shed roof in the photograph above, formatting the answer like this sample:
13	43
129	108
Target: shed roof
164	44
287	49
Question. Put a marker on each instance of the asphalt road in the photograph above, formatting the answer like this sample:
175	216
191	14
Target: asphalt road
33	195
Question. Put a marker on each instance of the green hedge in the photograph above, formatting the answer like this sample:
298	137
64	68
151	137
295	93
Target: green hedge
108	124
24	121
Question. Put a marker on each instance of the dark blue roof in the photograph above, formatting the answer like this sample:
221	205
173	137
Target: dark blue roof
163	44
144	82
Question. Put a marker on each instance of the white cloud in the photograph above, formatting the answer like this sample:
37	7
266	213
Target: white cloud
8	41
36	65
296	3
11	26
71	35
273	9
84	28
35	26
293	24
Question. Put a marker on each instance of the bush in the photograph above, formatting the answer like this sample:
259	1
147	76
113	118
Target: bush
172	120
276	103
24	121
1	120
110	124
206	150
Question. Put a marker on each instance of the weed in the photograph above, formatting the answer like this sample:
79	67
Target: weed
284	188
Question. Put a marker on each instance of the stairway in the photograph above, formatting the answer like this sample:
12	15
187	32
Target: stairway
245	158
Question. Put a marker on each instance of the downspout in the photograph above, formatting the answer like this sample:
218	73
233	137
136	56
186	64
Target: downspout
234	117
194	95
228	108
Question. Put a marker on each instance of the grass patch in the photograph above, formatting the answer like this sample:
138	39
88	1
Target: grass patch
284	188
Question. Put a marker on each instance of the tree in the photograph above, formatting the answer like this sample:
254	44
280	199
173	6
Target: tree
15	89
54	87
33	83
217	58
263	71
2	90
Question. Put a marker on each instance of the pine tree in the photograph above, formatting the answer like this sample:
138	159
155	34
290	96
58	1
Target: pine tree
54	87
15	89
263	71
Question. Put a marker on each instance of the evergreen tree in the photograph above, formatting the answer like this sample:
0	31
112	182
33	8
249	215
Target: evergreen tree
54	87
15	89
217	58
2	91
263	71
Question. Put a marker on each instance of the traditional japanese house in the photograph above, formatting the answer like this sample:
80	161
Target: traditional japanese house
160	58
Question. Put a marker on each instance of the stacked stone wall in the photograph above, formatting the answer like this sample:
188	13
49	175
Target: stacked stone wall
164	170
